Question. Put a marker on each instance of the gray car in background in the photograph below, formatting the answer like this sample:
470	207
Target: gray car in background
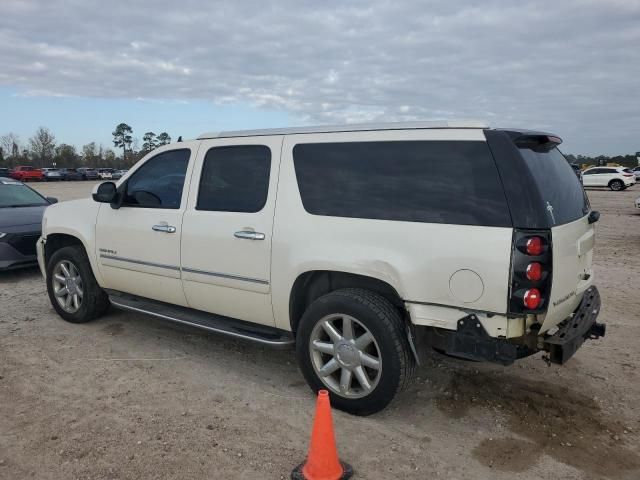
21	210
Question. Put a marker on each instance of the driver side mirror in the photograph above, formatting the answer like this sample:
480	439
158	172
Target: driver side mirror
105	193
52	200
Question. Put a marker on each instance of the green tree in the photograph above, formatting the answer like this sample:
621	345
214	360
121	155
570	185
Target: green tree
42	146
122	138
150	141
164	139
90	157
66	156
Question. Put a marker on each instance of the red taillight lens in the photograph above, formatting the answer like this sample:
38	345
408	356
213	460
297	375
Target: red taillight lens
628	174
532	298
534	271
534	246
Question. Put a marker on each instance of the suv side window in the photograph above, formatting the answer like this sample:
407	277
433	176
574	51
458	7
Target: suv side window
235	179
453	182
159	182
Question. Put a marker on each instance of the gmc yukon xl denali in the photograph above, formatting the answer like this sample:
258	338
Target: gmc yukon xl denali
362	246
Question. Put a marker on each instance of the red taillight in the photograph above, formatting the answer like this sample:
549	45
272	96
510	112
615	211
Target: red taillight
531	298
534	271
534	246
628	175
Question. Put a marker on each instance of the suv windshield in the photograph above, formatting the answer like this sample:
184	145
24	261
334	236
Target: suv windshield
563	197
18	195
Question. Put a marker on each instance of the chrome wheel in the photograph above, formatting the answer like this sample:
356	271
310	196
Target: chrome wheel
67	286
345	356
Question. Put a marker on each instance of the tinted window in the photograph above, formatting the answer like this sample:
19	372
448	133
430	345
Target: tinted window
562	194
159	182
590	172
235	179
417	181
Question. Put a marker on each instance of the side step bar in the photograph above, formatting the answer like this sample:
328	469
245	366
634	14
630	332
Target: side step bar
262	334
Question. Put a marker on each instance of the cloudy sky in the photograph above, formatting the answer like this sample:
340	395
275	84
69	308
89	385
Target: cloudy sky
188	66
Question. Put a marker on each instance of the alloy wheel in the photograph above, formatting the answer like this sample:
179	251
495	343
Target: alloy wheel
345	356
67	286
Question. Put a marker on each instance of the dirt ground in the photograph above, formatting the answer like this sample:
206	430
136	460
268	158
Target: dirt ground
130	397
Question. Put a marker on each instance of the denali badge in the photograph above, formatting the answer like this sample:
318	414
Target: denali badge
106	250
564	299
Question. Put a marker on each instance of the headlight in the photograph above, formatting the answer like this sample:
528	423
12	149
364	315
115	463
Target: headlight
2	235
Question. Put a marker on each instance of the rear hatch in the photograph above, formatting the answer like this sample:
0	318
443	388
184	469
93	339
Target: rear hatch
566	208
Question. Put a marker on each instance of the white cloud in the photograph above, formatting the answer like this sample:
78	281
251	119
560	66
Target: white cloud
572	67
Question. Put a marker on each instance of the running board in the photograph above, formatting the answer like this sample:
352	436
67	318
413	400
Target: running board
253	332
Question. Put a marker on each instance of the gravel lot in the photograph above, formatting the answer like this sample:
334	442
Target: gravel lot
130	397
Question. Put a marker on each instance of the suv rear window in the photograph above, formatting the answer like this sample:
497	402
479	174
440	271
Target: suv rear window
452	182
563	197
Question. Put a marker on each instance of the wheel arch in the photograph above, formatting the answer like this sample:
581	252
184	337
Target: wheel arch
313	284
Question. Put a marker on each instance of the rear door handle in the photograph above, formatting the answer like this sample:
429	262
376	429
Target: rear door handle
164	228
249	235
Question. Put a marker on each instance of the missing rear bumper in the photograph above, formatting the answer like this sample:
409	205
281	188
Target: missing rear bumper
573	331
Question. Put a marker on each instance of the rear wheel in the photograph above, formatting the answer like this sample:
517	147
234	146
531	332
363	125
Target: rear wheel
353	343
616	185
72	288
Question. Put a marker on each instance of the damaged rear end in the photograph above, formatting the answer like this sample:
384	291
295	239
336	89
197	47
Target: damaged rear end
551	277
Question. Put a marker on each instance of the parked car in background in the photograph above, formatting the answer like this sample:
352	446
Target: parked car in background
118	174
21	210
26	174
616	178
374	251
4	172
51	174
70	174
105	173
577	171
88	173
636	172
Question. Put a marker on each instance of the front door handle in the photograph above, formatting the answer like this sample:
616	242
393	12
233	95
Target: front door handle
163	227
249	235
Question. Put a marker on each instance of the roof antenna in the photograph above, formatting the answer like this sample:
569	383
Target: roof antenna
180	138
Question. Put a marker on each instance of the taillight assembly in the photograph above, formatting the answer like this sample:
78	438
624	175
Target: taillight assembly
530	271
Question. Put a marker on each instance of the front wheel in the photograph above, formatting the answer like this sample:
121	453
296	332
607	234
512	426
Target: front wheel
616	185
353	343
72	287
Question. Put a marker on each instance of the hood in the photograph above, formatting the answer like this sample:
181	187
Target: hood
19	216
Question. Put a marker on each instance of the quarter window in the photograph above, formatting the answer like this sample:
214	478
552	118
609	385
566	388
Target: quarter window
159	182
235	179
414	181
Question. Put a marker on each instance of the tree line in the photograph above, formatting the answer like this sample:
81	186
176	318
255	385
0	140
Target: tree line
42	150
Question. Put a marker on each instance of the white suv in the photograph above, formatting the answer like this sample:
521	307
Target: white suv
362	246
616	178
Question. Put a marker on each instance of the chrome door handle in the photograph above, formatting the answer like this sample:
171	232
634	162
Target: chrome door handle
164	228
249	235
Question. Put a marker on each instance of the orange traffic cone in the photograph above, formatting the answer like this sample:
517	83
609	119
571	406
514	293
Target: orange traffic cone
322	460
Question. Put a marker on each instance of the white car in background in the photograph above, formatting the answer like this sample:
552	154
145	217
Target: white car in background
616	178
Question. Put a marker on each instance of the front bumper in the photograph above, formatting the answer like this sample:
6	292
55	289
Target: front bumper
11	257
573	331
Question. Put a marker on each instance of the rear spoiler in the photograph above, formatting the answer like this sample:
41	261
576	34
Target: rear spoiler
538	142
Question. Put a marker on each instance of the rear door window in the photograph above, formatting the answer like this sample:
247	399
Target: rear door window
453	182
235	179
564	199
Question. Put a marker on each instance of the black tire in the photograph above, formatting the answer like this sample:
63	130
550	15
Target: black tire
616	185
388	328
95	301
